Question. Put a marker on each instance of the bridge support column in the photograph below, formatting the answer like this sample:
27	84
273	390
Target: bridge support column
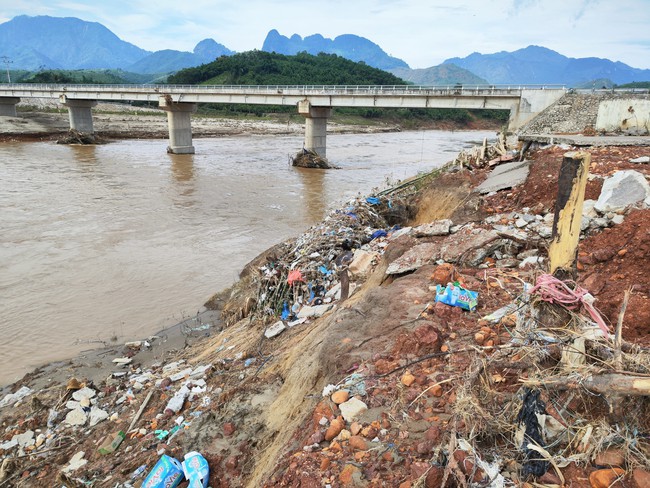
8	106
315	126
80	113
179	122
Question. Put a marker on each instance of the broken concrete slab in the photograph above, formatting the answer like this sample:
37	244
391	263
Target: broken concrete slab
621	190
414	258
435	228
458	246
641	160
505	176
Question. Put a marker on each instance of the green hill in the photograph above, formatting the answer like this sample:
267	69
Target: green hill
263	68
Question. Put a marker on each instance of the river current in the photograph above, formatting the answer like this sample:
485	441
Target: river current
118	241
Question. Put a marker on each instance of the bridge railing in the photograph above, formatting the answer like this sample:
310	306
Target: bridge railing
455	90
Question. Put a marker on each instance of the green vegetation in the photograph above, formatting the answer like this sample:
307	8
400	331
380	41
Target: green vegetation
82	76
635	84
263	68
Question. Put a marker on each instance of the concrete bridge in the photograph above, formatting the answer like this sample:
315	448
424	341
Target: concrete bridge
314	102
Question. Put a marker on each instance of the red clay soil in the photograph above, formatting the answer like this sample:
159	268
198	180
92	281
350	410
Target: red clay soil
610	261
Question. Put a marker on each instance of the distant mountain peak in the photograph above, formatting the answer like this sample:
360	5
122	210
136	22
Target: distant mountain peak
350	46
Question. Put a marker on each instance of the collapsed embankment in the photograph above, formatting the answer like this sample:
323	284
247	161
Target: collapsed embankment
424	393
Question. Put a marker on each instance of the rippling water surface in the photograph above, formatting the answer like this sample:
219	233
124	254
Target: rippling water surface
123	239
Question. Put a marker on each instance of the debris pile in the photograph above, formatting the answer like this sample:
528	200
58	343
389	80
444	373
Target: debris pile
434	349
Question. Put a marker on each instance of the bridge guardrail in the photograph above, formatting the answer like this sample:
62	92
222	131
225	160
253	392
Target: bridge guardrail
469	90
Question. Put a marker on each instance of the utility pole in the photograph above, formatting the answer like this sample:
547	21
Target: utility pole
7	63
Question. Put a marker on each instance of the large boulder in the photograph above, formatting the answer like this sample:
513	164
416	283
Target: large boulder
621	190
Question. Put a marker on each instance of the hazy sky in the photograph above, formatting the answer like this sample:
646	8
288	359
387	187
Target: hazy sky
421	32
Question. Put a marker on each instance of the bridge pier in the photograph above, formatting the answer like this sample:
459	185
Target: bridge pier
8	106
80	113
180	125
315	126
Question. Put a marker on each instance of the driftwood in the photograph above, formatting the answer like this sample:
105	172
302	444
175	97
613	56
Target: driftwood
606	384
572	182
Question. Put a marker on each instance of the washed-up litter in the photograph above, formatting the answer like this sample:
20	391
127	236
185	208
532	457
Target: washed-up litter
457	296
167	473
12	398
111	442
196	470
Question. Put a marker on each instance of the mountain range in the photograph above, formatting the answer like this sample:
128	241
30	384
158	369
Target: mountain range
43	42
539	65
349	46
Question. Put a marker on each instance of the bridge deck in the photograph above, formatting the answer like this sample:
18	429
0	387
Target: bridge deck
453	96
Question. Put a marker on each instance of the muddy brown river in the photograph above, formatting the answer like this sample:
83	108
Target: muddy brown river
118	241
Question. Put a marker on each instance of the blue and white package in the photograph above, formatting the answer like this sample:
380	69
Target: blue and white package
457	296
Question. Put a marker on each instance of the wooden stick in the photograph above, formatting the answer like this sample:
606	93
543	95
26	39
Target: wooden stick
139	414
572	182
618	336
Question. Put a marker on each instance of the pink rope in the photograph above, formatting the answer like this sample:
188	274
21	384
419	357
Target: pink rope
552	290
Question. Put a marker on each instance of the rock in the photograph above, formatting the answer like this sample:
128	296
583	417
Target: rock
605	254
404	231
434	477
424	447
435	228
641	477
433	434
612	457
641	160
340	396
508	263
350	475
532	261
76	417
407	379
469	244
184	373
25	439
315	311
336	426
505	176
97	415
358	442
444	273
588	209
621	190
351	409
275	329
414	258
228	429
355	428
362	262
316	438
618	219
606	478
599	223
521	223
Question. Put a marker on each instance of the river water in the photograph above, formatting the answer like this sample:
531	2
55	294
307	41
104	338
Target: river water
121	240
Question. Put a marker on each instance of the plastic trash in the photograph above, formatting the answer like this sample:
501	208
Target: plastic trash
373	200
378	233
111	442
167	473
196	470
457	296
295	275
